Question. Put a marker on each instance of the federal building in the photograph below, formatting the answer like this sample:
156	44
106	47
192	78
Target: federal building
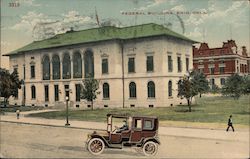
136	66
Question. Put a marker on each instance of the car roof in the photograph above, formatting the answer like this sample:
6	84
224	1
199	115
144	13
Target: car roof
126	115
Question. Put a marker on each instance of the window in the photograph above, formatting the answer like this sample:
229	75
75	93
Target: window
201	70
151	89
78	92
148	125
170	88
170	64
179	64
132	90
222	81
211	71
46	68
56	89
33	92
212	82
150	63
24	74
138	124
106	91
77	65
66	67
187	64
88	64
56	67
131	64
105	66
222	70
46	93
32	71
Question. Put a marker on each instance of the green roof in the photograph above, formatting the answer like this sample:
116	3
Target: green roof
101	34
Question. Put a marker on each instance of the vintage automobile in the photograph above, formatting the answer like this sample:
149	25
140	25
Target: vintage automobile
141	132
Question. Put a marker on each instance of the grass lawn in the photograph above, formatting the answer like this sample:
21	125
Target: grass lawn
206	110
21	108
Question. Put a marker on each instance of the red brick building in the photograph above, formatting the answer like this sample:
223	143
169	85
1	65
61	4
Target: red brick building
219	63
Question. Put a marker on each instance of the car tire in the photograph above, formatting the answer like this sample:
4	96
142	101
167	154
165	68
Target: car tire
96	146
150	148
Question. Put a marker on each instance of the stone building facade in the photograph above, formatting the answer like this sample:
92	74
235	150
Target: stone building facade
219	63
137	66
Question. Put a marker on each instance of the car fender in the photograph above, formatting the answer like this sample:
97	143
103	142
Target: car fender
100	137
154	139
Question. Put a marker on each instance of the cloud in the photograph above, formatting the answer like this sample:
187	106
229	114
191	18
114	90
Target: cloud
218	15
179	8
155	3
197	33
30	3
28	21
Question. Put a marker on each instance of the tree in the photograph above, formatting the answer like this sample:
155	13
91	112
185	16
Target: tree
199	81
187	89
89	90
9	84
234	86
246	85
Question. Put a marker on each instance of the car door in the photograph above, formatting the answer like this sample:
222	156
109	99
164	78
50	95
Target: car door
136	130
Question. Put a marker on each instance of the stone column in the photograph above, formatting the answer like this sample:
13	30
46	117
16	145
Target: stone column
71	63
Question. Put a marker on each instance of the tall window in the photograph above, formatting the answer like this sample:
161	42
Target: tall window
105	66
56	90
32	71
187	64
179	64
151	89
88	64
66	67
77	65
46	93
33	92
24	73
56	67
150	63
132	90
170	63
105	91
222	81
211	71
78	92
131	64
222	70
170	88
46	68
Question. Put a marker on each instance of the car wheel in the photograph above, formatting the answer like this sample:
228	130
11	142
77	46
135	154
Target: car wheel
96	146
150	148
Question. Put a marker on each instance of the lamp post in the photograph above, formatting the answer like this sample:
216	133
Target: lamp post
67	111
67	107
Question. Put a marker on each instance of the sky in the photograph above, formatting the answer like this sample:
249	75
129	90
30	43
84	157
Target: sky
210	21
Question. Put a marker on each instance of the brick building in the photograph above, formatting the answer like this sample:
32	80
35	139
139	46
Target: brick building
219	63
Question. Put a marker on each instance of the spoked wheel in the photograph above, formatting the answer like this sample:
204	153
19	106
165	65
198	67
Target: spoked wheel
96	146
150	148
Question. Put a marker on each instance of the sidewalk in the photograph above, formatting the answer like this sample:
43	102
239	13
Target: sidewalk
241	136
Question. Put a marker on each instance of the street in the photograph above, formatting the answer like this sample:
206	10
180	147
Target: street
35	141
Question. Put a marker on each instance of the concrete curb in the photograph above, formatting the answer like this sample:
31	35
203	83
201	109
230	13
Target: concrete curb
61	126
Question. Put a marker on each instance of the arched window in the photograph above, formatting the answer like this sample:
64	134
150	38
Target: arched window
105	88
132	90
46	68
77	65
33	92
66	66
88	64
170	88
56	67
151	89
